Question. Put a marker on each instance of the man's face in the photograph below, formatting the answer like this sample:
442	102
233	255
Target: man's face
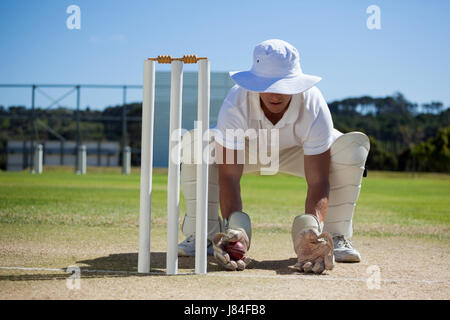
275	102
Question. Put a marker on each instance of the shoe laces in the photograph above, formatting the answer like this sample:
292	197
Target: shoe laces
341	241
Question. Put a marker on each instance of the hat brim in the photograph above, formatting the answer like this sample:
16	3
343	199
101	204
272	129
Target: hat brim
285	85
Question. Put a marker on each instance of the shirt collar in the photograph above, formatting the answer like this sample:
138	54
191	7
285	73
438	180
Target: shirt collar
290	116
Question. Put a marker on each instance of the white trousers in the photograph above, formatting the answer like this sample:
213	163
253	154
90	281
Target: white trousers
348	156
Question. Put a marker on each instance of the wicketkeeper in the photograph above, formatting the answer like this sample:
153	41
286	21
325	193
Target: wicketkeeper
276	94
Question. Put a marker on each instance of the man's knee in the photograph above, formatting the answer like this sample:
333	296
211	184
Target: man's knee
350	149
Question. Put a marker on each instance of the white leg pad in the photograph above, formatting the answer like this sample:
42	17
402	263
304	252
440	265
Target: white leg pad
188	186
348	157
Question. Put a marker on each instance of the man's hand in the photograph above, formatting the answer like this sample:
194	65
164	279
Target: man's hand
314	249
221	240
314	252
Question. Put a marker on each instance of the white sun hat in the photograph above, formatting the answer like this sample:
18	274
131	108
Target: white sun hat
276	69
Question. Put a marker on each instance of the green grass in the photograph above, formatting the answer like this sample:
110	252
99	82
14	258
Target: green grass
394	204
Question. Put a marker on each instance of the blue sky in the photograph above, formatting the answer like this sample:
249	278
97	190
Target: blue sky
409	54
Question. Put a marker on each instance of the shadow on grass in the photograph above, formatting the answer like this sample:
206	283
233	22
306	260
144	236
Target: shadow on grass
279	266
115	266
123	265
128	262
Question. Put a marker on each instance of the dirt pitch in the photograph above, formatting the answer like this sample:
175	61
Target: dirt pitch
408	269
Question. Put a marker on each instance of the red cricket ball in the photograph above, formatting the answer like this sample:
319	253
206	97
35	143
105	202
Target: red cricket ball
236	250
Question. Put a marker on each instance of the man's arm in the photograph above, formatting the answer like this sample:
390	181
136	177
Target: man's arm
229	182
317	169
238	228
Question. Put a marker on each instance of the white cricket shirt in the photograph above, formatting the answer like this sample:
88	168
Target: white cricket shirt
306	123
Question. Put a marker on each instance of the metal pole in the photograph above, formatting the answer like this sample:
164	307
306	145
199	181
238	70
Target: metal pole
38	159
124	118
81	155
33	126
148	108
201	227
173	184
126	159
99	153
78	136
61	150
24	155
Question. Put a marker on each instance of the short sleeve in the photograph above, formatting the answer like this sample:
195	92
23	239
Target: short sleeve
230	118
320	136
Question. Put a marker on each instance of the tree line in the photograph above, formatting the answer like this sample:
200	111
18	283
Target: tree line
404	136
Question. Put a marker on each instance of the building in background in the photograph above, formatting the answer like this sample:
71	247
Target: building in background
56	153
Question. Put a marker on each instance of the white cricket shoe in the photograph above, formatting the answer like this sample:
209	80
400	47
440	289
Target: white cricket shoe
187	247
344	251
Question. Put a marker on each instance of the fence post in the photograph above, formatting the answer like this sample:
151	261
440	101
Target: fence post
38	159
33	126
126	160
81	157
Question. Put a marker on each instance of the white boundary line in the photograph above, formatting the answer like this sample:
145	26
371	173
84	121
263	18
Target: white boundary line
238	275
323	278
91	271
